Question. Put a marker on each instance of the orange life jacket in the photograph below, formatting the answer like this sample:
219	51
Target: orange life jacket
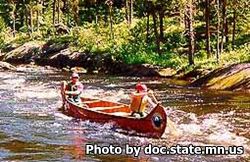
138	102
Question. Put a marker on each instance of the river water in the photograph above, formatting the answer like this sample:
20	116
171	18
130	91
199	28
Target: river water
33	129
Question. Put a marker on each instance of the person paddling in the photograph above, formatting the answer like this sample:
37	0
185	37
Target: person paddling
140	99
74	88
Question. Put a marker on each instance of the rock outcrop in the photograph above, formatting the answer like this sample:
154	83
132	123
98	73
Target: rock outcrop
61	56
234	77
26	53
6	66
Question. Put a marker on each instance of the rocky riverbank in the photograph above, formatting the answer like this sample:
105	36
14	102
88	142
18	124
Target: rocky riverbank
6	66
233	77
61	56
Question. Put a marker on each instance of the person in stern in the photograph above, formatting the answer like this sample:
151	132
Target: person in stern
74	88
140	99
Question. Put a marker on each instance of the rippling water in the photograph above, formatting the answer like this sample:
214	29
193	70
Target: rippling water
32	127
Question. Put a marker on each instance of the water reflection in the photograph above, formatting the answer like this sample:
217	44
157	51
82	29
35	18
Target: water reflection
76	150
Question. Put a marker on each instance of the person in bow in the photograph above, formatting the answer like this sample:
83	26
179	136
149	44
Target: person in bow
74	88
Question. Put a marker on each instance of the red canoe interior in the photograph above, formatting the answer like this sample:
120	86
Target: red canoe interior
107	107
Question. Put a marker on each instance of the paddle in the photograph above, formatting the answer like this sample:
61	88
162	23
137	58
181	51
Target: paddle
170	124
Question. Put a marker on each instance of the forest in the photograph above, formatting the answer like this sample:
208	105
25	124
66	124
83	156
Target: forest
181	34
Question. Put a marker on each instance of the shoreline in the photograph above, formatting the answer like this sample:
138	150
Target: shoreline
235	77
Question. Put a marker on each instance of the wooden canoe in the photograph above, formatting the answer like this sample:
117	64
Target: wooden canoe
102	111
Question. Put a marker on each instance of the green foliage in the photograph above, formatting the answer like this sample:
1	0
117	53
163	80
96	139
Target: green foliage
2	24
1	41
128	46
237	56
92	40
90	30
2	27
242	54
242	39
61	40
140	54
20	39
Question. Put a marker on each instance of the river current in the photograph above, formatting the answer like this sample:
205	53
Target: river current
32	128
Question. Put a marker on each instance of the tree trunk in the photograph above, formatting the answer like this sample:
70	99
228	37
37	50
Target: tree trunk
127	11
96	13
37	20
157	41
207	17
37	16
22	14
224	3
58	11
147	37
161	17
185	22
218	32
54	12
31	19
76	12
226	32
14	25
43	9
190	32
111	21
131	8
234	28
14	20
27	18
22	20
